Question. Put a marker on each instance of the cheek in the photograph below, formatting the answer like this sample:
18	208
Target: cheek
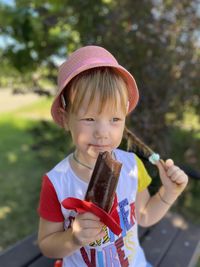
80	134
118	132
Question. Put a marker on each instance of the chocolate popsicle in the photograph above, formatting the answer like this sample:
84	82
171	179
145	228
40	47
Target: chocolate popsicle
103	183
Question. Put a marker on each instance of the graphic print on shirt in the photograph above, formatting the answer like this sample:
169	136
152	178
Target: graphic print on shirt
116	251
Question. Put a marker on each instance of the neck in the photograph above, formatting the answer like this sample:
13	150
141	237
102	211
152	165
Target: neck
75	158
89	167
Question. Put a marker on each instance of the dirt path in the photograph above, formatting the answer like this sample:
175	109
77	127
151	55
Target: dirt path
10	102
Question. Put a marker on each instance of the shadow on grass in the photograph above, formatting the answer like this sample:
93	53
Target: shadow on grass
51	143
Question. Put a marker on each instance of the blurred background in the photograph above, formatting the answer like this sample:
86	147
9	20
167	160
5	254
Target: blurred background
158	41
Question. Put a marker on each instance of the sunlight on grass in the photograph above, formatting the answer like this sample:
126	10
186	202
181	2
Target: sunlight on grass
4	211
24	147
11	156
37	110
14	120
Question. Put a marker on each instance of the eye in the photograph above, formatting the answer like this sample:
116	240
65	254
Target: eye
88	119
115	119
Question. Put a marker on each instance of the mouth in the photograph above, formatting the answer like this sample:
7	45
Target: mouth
100	147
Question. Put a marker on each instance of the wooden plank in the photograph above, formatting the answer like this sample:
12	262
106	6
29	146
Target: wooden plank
171	242
160	238
43	262
142	231
185	249
22	253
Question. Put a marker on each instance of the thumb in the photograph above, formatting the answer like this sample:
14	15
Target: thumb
161	167
164	165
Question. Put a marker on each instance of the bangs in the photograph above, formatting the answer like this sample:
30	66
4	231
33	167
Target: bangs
103	84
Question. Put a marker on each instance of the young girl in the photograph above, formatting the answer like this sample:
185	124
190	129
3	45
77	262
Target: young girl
94	97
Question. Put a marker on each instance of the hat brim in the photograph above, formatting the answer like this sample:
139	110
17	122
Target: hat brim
126	75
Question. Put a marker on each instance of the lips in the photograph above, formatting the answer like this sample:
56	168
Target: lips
101	148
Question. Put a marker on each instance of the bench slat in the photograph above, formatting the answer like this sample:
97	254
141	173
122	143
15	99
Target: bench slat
43	261
171	242
158	240
142	232
185	249
22	253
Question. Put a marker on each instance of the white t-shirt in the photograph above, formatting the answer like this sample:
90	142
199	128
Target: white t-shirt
112	250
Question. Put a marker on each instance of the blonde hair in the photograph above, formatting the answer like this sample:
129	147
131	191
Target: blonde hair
102	82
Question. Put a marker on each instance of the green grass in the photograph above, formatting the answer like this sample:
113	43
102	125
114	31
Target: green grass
37	110
20	176
27	151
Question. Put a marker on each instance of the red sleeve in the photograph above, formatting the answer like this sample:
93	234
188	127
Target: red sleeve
49	207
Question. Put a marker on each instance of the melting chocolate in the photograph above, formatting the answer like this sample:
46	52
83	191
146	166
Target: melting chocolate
103	182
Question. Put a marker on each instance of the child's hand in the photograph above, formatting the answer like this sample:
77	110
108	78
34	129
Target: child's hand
87	228
173	178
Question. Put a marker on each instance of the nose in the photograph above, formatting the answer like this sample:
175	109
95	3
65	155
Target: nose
101	131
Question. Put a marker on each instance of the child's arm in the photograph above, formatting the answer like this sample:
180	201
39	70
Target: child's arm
151	209
54	242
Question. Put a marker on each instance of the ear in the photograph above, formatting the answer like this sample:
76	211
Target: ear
127	107
64	118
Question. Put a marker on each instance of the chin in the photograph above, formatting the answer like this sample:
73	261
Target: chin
95	152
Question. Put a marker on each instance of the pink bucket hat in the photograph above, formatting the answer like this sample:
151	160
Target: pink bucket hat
85	58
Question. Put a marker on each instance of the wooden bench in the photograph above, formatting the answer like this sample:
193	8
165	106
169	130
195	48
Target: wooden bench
173	242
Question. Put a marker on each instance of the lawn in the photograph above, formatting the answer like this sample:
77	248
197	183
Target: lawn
20	177
21	170
30	147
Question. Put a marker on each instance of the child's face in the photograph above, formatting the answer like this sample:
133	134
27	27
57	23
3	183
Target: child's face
93	132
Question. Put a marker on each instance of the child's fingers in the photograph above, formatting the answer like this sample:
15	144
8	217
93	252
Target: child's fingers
176	175
87	235
180	178
172	171
91	224
87	220
172	177
89	216
90	234
163	166
169	163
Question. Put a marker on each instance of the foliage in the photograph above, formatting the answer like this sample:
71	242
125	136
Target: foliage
156	40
